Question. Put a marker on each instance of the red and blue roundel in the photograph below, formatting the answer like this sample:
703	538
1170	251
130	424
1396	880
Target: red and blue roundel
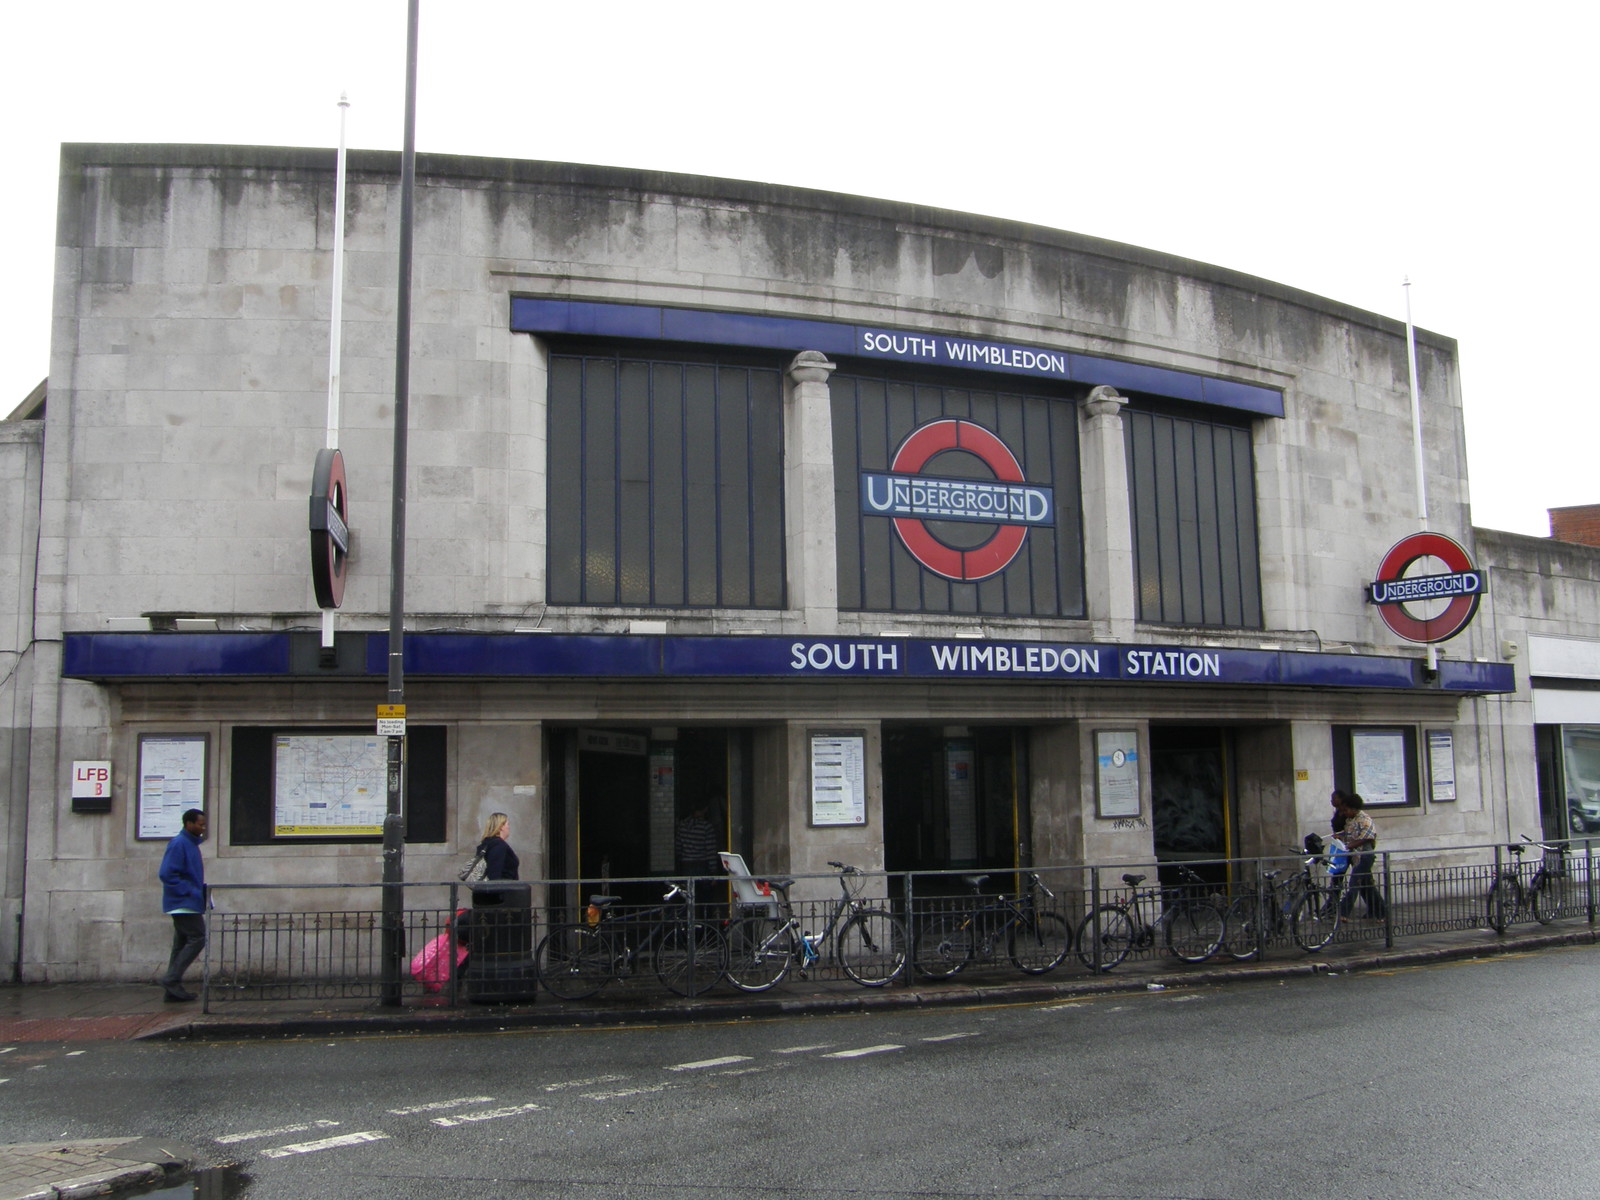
1459	590
913	498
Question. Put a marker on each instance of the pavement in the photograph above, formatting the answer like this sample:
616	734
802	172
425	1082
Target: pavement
43	1013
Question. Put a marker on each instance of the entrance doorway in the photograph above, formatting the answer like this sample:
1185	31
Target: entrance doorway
1191	786
631	804
954	798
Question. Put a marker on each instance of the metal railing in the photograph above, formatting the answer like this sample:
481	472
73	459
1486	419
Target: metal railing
260	949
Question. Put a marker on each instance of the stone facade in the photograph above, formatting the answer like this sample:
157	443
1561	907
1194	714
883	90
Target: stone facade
187	404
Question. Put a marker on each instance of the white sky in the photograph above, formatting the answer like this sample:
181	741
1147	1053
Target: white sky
1337	149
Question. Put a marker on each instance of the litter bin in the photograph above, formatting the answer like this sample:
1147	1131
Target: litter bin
500	963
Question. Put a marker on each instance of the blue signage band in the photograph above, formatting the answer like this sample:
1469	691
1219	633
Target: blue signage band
794	334
613	656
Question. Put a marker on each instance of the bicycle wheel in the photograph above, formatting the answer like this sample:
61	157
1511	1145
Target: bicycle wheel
1544	896
1241	941
872	947
1194	930
691	959
574	962
1315	919
1114	941
943	945
1040	942
760	950
1501	903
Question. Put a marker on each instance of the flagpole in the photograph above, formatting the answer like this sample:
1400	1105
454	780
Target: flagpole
1416	441
336	328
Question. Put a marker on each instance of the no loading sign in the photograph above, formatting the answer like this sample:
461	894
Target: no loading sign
933	506
1427	607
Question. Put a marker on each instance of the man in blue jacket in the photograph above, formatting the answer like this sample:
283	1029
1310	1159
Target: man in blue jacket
183	898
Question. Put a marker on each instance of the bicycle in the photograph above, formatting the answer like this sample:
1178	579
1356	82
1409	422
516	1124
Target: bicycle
1509	896
575	961
1192	925
870	946
1260	913
1037	939
1316	915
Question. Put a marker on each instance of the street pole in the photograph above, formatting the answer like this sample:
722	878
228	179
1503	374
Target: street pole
394	869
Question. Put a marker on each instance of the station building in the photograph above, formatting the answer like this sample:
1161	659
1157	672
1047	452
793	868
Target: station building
882	534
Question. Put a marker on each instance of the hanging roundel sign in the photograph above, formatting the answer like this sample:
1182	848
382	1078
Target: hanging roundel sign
1427	608
330	533
913	497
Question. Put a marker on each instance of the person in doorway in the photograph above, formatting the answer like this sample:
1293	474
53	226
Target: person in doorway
183	898
499	859
697	844
1360	836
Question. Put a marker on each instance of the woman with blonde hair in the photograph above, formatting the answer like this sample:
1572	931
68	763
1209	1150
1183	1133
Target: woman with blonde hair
499	859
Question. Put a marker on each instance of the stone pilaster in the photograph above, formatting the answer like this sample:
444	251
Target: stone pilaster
808	493
1107	518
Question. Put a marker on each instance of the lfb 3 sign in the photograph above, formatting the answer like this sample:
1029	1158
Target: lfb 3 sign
914	494
91	786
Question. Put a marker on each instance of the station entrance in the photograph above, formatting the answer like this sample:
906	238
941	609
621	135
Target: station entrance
1192	790
630	804
955	798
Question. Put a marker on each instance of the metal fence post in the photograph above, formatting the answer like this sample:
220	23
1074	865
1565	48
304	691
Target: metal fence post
1588	856
1499	895
911	929
1388	905
206	904
455	940
1094	915
689	930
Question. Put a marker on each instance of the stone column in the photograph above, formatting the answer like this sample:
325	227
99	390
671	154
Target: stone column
1107	518
808	494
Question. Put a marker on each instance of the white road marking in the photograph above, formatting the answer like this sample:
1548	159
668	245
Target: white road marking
439	1104
950	1037
1181	999
493	1114
75	1053
807	1049
711	1062
572	1083
278	1132
333	1143
863	1051
7	1050
621	1092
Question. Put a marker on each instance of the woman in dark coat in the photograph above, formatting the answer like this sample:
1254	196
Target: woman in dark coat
499	858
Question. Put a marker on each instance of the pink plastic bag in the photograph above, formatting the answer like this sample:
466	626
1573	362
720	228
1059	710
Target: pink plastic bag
431	966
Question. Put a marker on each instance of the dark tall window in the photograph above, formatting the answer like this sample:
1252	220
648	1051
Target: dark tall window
666	484
1191	484
872	417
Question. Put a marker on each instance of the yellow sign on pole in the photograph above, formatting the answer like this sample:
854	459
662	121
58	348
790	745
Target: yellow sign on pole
391	720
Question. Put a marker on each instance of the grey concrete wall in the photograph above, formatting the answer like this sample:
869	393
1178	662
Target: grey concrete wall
191	344
21	462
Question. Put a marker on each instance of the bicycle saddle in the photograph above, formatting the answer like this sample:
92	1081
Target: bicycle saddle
974	881
1134	880
781	885
602	901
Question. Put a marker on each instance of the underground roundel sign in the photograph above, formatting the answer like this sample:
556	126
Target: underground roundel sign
330	533
1424	607
958	500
